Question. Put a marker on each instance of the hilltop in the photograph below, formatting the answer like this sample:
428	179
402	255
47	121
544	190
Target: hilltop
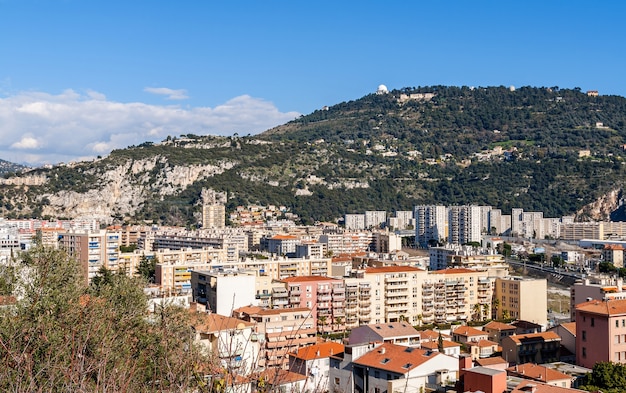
541	149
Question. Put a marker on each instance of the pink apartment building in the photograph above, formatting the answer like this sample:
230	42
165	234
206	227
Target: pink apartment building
601	332
325	296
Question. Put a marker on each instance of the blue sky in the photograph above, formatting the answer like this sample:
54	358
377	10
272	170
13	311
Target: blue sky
81	77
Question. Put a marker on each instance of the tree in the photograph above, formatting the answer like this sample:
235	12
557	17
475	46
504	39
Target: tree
608	376
63	335
440	346
476	308
495	305
147	268
321	321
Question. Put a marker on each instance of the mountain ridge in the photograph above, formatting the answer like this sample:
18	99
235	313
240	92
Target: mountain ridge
541	149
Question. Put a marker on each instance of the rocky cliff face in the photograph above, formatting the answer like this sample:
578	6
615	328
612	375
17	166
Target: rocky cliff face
125	188
601	209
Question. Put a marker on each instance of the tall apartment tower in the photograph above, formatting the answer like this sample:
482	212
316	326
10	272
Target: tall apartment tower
375	218
213	210
464	224
430	223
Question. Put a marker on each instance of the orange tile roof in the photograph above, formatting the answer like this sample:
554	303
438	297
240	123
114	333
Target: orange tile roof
396	358
309	278
570	327
536	372
284	237
538	387
617	247
604	307
468	331
208	323
435	344
491	361
495	325
481	344
277	377
318	351
545	336
432	335
392	269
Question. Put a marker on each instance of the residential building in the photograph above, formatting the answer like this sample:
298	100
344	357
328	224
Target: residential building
595	289
539	387
567	332
522	298
391	367
540	374
531	348
613	254
464	224
465	334
399	333
430	224
93	249
450	348
600	332
480	379
233	341
354	222
314	362
375	218
496	331
325	296
279	331
482	349
282	244
222	291
213	216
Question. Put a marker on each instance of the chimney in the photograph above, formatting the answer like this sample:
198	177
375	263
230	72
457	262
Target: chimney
382	350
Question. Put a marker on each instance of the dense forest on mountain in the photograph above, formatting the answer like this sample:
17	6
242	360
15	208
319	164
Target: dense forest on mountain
542	149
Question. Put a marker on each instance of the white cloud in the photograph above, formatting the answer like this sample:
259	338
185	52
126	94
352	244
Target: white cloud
39	128
27	142
172	94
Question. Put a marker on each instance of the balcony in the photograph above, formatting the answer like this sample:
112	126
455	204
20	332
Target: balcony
390	280
365	311
397	300
339	290
337	297
321	290
325	298
364	319
295	291
280	302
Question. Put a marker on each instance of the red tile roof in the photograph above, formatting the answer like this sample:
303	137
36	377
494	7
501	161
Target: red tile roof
495	325
538	387
536	372
604	307
396	358
318	351
491	361
208	323
468	331
570	327
284	237
435	345
545	336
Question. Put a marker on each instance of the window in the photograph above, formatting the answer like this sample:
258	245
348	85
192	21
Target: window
593	321
337	381
376	374
584	352
617	323
617	339
584	335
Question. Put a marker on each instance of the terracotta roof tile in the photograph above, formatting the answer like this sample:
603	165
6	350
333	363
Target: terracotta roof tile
491	361
318	351
396	358
495	325
545	336
468	331
604	307
208	323
454	271
536	372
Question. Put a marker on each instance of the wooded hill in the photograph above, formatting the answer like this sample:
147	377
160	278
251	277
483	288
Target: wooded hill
541	149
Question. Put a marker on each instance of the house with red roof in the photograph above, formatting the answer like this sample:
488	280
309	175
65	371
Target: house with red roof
498	330
389	367
541	347
482	348
313	362
464	334
540	373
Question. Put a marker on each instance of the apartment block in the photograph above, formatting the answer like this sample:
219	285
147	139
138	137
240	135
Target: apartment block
354	222
324	296
280	332
347	242
375	218
522	298
464	224
213	216
222	292
431	224
595	289
601	332
531	348
92	249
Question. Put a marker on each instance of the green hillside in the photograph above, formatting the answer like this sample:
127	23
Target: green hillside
541	149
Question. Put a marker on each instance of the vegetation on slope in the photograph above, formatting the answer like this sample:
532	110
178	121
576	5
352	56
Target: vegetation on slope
379	153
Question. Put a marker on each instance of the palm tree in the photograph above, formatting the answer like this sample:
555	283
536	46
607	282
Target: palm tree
321	321
477	314
495	304
485	307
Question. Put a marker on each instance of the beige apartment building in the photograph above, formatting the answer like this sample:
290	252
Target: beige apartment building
522	298
92	249
279	332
